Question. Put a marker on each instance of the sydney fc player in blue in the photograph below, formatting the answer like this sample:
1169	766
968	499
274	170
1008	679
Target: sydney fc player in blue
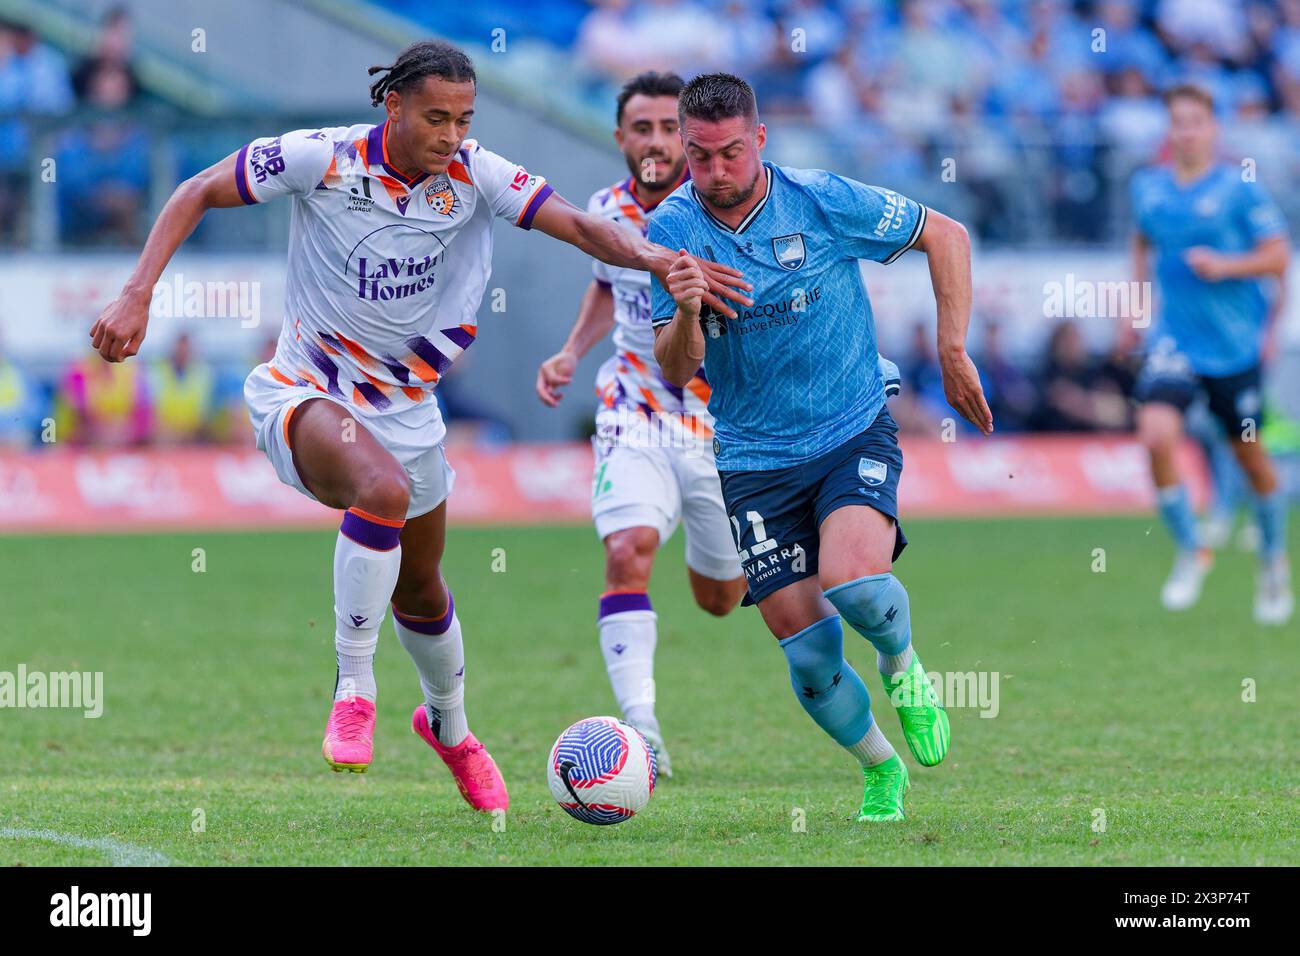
1216	236
806	451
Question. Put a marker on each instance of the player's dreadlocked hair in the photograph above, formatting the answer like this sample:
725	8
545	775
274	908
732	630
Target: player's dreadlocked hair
717	96
649	83
426	58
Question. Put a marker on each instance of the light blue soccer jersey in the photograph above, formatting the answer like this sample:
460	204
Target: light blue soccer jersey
1218	326
795	374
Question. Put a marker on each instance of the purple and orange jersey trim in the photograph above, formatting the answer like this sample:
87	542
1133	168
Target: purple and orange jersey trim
241	177
535	201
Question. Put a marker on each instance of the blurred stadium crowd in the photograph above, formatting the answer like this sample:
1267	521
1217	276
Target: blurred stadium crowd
1049	104
181	398
1064	95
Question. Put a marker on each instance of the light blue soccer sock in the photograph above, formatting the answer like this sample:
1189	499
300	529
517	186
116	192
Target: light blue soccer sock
877	608
1176	512
1271	513
831	691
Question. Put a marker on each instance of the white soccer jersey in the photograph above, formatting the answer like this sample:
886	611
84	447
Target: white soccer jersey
631	379
385	273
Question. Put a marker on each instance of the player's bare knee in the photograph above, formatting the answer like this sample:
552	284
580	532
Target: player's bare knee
384	490
716	601
629	558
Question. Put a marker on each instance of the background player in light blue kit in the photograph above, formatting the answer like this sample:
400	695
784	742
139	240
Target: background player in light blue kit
1216	235
806	451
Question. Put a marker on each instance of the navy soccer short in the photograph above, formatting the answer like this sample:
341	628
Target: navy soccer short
1234	400
775	515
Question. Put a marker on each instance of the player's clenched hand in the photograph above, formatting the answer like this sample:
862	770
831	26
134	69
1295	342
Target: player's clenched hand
120	328
555	373
686	284
961	386
1205	262
724	282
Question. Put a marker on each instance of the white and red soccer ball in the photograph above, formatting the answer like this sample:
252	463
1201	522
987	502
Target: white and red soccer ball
602	771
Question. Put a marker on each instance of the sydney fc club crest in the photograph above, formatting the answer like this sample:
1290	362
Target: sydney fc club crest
789	251
872	472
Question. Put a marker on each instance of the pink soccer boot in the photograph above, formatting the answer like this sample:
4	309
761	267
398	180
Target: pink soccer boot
350	735
471	766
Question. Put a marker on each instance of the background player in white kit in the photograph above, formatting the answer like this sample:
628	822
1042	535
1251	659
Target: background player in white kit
654	440
389	254
654	455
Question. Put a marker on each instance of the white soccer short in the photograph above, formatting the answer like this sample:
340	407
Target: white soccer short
636	484
270	403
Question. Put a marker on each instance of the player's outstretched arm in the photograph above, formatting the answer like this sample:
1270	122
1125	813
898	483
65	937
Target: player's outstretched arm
609	242
947	245
679	345
120	328
595	319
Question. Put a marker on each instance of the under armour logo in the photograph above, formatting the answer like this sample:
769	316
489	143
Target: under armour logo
810	692
357	620
618	648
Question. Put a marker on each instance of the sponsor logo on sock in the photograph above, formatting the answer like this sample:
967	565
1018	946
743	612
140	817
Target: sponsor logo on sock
891	614
811	692
618	648
357	620
133	910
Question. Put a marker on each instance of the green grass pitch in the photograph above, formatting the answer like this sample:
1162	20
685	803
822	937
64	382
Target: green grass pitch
217	686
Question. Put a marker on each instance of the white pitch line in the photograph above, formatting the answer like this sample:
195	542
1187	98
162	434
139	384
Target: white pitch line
119	854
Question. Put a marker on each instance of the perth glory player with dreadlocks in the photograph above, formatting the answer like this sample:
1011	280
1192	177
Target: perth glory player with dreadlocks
389	254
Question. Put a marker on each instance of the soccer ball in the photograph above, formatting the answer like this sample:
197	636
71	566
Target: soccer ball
602	771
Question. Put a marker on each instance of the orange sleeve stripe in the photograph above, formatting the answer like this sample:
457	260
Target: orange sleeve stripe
288	415
375	519
650	400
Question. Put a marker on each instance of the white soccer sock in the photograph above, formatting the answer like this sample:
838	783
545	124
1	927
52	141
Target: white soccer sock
873	748
367	557
891	664
627	640
438	651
